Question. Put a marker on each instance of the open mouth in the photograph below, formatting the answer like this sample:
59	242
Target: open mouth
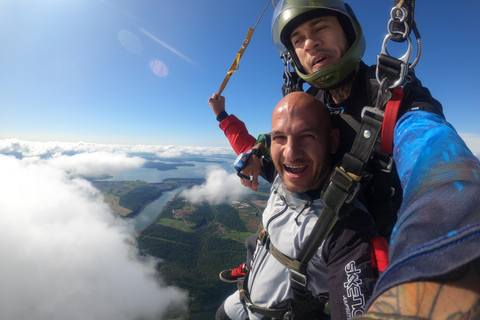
295	169
319	60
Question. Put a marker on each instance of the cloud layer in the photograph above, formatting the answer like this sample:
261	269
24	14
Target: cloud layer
473	142
220	187
64	255
56	148
94	164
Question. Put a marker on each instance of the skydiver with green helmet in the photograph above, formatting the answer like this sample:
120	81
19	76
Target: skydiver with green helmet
326	44
333	63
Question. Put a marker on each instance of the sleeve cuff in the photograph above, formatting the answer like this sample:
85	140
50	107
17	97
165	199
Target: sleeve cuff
222	115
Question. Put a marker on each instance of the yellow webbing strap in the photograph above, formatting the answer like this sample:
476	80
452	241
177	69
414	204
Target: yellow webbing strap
236	62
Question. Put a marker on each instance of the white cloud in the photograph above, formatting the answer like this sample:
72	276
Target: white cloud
220	187
473	142
65	255
56	148
95	164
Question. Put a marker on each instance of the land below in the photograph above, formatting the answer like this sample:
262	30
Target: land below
194	241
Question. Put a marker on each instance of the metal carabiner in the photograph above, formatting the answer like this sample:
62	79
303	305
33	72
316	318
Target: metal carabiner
398	16
404	62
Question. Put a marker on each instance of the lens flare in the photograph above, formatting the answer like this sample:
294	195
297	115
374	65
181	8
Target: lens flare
159	68
130	42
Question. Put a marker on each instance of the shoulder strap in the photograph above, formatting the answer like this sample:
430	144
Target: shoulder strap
346	181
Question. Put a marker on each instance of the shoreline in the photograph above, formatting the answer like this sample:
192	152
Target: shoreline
158	216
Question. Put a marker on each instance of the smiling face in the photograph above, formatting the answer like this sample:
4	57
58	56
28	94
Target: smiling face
319	42
302	142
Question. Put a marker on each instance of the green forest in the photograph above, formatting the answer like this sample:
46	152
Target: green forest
133	195
197	241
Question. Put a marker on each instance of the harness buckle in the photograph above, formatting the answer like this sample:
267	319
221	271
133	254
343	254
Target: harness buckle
373	110
401	63
299	282
250	307
288	315
263	238
389	166
353	194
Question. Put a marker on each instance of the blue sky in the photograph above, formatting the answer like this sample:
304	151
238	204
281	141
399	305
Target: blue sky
84	70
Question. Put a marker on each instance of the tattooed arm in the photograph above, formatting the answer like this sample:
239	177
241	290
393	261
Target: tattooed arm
456	296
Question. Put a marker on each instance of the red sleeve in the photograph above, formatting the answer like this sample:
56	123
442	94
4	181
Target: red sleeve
237	134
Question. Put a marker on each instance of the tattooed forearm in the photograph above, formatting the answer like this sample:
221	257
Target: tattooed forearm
452	297
472	314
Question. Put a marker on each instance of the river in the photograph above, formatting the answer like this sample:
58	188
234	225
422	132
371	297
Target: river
151	211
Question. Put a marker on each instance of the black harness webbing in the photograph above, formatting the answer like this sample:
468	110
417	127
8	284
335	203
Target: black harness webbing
277	313
305	306
400	28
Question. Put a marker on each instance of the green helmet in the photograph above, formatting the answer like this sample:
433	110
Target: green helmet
289	14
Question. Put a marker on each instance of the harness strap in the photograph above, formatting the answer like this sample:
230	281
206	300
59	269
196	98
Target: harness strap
285	260
389	120
305	306
245	299
356	160
399	27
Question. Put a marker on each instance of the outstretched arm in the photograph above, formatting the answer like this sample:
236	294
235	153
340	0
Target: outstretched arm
234	129
434	270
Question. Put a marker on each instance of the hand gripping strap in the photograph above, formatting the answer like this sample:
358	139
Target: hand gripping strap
389	120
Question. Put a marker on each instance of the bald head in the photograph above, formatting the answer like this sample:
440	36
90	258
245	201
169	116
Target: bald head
301	105
302	141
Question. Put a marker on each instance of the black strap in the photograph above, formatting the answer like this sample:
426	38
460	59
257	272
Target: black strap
341	193
344	183
398	28
356	160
